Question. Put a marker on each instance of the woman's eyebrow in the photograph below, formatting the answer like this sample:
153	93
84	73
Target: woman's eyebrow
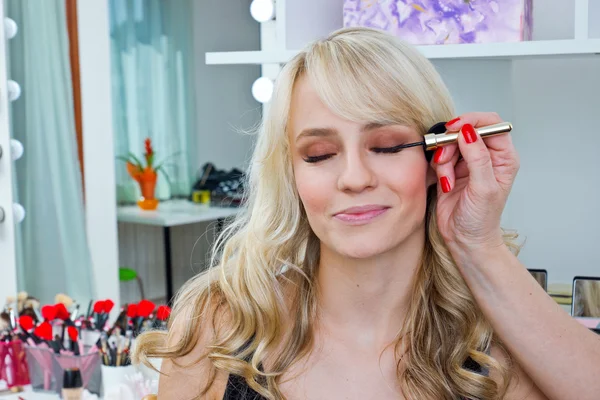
317	132
329	132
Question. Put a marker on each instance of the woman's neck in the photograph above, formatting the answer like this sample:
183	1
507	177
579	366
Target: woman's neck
367	299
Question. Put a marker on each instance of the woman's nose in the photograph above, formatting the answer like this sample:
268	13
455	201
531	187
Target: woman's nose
357	175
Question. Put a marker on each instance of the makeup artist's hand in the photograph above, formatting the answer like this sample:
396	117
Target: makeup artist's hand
472	191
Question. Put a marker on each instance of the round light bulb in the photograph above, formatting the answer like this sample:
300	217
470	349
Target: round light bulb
14	90
10	28
262	89
16	149
18	213
262	10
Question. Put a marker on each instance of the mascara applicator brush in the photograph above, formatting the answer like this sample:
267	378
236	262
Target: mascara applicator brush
432	141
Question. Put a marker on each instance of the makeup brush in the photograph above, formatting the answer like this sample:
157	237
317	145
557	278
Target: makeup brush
98	310
73	335
431	141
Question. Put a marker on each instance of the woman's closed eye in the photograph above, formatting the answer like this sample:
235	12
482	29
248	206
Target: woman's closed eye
315	159
388	150
378	150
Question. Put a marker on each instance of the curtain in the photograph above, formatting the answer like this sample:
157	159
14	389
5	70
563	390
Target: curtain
53	251
152	65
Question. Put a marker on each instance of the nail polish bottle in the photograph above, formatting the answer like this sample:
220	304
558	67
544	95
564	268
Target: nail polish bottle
72	384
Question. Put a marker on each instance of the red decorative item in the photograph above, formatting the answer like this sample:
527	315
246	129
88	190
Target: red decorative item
73	334
108	305
132	310
99	306
49	312
13	364
145	176
26	322
61	311
145	308
44	331
163	312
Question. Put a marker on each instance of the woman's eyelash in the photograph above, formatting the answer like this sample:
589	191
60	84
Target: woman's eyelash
315	159
384	150
394	149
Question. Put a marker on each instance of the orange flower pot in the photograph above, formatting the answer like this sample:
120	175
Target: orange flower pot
147	182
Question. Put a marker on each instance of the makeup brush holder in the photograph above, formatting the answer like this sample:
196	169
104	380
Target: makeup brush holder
46	369
13	364
113	378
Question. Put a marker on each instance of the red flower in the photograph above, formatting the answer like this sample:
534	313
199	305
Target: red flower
163	313
148	146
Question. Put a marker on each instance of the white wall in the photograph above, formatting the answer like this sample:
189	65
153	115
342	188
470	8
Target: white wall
557	192
98	147
224	101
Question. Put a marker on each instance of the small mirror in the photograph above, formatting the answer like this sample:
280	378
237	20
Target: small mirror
540	275
586	301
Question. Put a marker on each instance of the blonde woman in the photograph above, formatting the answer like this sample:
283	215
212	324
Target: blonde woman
357	271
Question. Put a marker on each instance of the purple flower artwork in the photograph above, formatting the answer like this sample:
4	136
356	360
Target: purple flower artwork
444	21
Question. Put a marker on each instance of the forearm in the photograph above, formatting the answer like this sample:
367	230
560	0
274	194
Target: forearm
559	354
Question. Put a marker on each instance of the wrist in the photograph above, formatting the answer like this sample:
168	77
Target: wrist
469	256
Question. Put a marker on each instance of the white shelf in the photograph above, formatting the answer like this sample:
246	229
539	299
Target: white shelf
541	48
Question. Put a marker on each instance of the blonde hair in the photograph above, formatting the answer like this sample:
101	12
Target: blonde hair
363	75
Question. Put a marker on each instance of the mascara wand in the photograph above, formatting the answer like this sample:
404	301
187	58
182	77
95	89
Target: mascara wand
432	141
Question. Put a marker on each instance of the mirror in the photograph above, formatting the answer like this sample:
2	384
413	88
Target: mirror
586	301
541	276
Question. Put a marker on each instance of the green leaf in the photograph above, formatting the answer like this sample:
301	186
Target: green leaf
127	274
137	162
165	160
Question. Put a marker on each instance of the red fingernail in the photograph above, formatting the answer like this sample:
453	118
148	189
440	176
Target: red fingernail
445	183
452	121
438	155
469	133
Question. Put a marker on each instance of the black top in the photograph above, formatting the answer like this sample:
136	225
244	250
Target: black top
238	389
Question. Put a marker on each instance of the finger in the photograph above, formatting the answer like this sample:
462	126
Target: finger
480	119
461	170
444	168
478	160
444	154
477	119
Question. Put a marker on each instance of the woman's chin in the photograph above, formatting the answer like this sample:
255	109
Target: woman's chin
361	251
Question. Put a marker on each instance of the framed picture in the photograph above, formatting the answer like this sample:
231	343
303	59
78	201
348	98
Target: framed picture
540	275
586	301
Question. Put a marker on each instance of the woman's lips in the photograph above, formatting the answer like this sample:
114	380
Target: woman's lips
360	215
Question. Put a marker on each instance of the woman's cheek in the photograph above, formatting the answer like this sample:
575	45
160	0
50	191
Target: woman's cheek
314	189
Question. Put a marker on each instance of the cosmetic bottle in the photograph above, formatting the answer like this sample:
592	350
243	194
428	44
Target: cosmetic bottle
72	384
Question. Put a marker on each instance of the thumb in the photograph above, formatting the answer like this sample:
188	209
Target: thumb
477	158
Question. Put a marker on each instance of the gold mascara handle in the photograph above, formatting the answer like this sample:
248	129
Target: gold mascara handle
435	140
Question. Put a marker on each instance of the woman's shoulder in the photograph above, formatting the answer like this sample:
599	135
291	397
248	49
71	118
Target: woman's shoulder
190	374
